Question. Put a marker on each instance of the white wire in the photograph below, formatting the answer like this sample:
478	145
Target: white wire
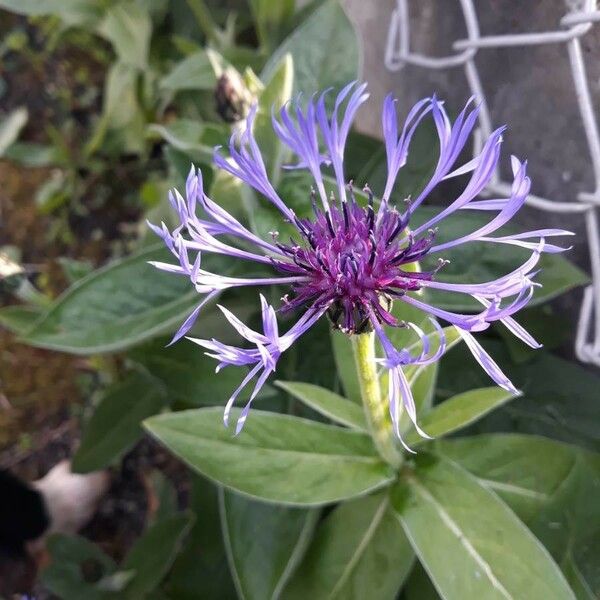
575	24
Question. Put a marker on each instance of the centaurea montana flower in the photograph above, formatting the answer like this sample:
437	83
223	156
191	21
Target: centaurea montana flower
350	259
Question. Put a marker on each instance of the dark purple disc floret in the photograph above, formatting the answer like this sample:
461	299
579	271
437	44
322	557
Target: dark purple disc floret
352	264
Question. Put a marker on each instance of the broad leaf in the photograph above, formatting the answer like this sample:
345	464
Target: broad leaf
264	543
418	586
423	378
200	570
154	552
194	72
195	139
122	116
552	486
479	262
128	27
524	470
19	318
188	374
271	18
329	404
471	544
325	50
72	12
359	551
560	398
120	305
276	458
459	411
10	127
115	425
71	557
278	90
30	154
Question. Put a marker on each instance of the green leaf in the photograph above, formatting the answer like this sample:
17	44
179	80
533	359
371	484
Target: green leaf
187	373
122	116
30	154
264	543
327	403
19	318
75	269
423	378
128	27
560	398
479	262
471	544
365	162
344	362
10	128
194	72
524	470
115	425
154	552
72	12
278	90
187	135
325	50
459	411
271	18
165	497
553	487
54	193
116	307
359	551
201	570
74	557
276	458
120	103
419	586
580	586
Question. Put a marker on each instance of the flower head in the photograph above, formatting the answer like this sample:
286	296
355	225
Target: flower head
352	258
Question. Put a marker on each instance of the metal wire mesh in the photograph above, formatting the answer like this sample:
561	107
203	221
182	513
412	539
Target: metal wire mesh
578	20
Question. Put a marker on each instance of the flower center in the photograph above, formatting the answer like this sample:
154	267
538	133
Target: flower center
352	260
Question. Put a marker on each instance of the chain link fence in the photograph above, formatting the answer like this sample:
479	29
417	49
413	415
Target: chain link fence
580	16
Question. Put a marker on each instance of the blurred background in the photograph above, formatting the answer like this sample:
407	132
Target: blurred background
104	104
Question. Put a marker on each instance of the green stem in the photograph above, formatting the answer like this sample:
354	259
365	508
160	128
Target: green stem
363	347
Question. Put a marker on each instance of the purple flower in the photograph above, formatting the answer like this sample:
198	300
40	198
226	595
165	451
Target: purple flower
350	259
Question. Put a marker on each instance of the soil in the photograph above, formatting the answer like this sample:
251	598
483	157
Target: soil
43	394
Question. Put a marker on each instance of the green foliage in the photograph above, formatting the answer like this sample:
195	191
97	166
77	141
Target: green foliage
79	569
115	424
115	307
264	543
316	464
201	570
329	404
359	551
127	26
457	521
153	553
10	127
325	50
459	411
195	72
480	262
471	544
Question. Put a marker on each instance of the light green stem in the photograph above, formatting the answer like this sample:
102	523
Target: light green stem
363	347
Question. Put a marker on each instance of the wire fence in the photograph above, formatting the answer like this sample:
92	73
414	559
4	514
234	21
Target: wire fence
579	19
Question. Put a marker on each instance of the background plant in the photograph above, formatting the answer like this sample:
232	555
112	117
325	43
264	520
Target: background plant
150	116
